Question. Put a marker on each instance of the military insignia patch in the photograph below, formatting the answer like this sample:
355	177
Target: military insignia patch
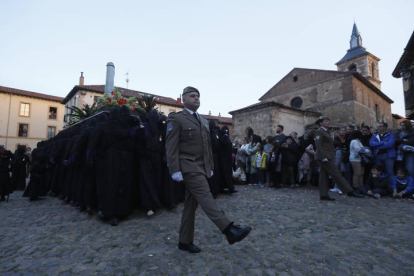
169	127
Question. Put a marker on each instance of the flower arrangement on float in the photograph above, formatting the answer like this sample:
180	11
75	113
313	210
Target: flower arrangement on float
117	100
147	102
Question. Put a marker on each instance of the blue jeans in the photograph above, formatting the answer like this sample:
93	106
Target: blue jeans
409	162
388	165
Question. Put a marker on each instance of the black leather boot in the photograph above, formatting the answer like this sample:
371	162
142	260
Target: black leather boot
235	233
114	221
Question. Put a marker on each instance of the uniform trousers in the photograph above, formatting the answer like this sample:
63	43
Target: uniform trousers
198	192
330	169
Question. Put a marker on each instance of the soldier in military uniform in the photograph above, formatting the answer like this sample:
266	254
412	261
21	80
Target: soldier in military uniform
325	157
190	160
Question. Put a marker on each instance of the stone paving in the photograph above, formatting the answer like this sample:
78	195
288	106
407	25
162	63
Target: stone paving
293	234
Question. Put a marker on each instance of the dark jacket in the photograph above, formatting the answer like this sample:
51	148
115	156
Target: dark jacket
387	143
290	155
380	182
406	139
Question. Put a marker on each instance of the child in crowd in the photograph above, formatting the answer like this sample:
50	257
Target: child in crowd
402	184
376	184
259	164
274	166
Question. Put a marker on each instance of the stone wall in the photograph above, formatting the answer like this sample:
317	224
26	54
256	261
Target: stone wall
364	67
299	79
368	104
332	98
260	120
264	119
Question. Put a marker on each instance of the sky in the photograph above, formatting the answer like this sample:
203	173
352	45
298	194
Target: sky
232	51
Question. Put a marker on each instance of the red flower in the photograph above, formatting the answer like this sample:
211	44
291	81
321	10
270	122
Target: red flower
112	93
109	99
149	104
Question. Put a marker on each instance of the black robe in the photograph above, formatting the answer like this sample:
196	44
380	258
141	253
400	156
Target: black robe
5	182
37	185
115	144
225	162
215	181
19	162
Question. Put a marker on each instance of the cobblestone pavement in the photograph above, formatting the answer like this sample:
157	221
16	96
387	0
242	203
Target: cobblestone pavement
293	234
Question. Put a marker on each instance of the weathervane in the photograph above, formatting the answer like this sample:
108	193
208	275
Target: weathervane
127	79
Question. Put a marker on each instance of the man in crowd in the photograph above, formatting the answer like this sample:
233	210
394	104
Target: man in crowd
366	136
280	137
382	145
190	160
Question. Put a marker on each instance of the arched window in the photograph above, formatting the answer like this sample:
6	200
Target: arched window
248	132
373	69
296	102
352	68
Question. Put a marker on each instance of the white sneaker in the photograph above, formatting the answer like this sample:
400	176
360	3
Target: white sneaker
335	190
340	192
150	213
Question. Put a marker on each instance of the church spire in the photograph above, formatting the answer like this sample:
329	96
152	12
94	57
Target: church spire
356	39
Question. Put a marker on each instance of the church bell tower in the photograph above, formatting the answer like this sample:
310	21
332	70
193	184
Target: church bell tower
359	60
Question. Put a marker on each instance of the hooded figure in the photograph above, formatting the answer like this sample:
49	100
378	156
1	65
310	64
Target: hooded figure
214	181
114	142
19	162
225	160
88	195
171	192
5	183
37	185
149	163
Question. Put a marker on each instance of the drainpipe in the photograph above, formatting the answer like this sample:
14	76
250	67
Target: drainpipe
8	121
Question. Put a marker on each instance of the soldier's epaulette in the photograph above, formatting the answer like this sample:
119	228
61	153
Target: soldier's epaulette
173	113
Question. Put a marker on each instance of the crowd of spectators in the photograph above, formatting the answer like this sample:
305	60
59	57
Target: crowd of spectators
375	164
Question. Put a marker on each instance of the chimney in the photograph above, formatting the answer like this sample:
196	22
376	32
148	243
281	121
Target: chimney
209	112
81	80
110	78
219	114
179	100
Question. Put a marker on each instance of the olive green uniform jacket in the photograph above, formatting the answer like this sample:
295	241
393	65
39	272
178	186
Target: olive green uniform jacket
188	144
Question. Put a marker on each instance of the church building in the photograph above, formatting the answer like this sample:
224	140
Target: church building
350	95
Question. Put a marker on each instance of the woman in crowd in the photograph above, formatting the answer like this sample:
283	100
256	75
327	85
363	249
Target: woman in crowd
405	137
255	140
240	173
267	148
355	159
306	163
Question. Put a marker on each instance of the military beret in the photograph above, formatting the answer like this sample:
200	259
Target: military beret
190	89
320	119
